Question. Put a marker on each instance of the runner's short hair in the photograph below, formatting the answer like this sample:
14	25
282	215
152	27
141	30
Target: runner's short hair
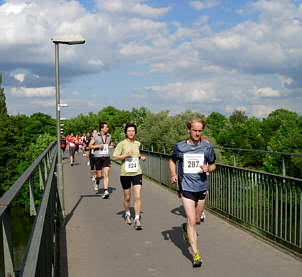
101	125
196	119
130	125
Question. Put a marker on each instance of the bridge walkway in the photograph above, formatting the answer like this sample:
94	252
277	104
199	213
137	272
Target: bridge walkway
99	243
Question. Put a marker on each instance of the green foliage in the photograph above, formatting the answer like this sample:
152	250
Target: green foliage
33	152
3	110
216	122
238	117
24	138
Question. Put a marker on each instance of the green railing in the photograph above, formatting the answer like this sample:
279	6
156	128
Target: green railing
39	259
267	204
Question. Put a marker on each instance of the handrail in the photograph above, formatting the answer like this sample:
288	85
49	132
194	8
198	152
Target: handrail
267	203
283	155
33	253
233	149
13	191
43	163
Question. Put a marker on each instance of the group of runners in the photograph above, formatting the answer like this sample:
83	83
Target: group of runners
196	159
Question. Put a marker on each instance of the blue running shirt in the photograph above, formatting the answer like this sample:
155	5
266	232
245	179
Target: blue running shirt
190	177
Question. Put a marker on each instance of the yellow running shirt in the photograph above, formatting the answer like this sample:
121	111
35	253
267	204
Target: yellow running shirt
129	166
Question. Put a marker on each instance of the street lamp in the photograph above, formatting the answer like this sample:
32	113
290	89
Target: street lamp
69	40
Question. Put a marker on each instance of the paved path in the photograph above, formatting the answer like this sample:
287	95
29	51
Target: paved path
99	243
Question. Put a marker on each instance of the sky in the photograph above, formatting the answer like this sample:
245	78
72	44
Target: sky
207	56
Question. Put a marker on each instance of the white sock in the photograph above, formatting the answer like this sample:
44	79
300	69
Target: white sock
136	217
127	213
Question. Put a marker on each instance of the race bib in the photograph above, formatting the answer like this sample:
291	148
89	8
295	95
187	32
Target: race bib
192	163
71	144
104	150
131	164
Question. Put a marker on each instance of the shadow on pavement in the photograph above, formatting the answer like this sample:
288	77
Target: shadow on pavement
69	216
61	267
179	211
132	212
176	236
110	190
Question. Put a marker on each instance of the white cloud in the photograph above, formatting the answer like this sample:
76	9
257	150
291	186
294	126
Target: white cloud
186	92
262	111
19	77
194	64
265	92
200	5
131	7
75	93
33	92
96	62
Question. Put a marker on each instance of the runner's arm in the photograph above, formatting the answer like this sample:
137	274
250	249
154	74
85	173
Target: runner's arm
111	146
172	166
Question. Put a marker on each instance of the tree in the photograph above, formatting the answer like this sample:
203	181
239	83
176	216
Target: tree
216	122
3	110
238	117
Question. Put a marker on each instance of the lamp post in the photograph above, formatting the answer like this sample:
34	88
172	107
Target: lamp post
69	40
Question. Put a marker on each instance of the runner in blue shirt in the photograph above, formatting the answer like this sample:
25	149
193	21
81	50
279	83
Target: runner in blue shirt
196	157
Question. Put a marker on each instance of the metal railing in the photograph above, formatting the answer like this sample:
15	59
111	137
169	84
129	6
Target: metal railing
267	204
39	257
167	147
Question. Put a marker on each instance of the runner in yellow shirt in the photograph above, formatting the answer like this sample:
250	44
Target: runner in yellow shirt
128	152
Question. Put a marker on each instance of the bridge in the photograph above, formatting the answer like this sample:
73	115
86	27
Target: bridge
252	228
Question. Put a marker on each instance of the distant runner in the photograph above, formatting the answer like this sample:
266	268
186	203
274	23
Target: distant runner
72	144
100	144
128	152
193	156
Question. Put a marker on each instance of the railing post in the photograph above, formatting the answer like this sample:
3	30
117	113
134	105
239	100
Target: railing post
31	197
41	177
234	158
283	166
7	245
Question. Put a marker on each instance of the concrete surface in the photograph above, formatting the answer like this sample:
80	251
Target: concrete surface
97	242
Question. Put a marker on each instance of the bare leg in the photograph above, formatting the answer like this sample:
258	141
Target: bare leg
199	207
190	209
138	201
127	195
106	177
98	175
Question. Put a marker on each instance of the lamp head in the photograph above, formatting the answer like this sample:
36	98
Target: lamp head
69	39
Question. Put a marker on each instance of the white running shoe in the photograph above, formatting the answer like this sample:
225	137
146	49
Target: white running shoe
203	217
106	195
96	186
88	163
138	225
128	219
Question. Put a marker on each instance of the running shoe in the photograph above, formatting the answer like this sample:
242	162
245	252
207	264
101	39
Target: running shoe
203	217
197	261
128	219
185	234
92	179
137	224
106	195
96	185
88	163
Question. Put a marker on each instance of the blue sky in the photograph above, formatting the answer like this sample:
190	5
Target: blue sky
208	56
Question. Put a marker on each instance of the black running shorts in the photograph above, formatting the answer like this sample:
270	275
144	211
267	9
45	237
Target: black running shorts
71	151
101	162
195	196
126	181
91	160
